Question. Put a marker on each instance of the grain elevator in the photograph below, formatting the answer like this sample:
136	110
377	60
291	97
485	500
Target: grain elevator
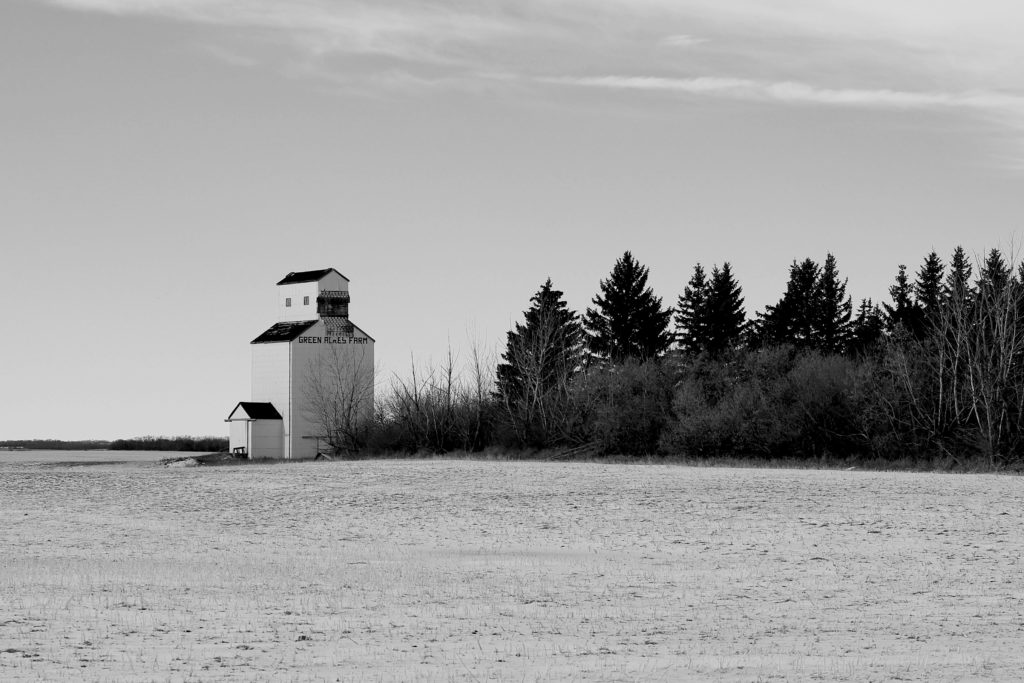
311	371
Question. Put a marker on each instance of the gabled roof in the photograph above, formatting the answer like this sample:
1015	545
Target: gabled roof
282	332
308	276
256	411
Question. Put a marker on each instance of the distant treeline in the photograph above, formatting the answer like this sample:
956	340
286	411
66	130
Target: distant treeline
55	445
933	376
206	444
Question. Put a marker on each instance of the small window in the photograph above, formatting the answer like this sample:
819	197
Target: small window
305	301
288	302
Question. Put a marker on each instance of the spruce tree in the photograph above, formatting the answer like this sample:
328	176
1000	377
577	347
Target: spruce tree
628	320
995	274
867	327
726	317
692	313
542	355
958	280
903	313
761	331
792	320
928	287
832	310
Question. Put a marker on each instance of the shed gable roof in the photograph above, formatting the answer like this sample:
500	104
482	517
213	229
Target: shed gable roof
284	332
309	276
255	411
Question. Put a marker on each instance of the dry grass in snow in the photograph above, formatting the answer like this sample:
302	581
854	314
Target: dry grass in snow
461	570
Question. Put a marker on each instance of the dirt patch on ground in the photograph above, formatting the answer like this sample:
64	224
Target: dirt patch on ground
443	570
207	459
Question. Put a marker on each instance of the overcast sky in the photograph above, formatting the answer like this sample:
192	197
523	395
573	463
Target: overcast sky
164	162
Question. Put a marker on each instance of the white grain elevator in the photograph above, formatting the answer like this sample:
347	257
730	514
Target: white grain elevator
310	366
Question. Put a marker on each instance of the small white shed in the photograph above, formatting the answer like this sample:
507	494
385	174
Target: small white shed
256	431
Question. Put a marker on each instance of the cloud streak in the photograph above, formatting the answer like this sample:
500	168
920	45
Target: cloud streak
423	32
865	54
791	92
682	40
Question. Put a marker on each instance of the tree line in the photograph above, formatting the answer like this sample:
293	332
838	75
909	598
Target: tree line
206	444
54	444
935	374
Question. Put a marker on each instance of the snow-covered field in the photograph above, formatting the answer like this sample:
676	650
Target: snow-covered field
85	457
461	570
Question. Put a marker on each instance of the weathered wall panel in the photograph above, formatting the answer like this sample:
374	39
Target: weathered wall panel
266	438
271	383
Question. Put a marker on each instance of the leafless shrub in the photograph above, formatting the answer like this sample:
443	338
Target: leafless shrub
338	394
441	407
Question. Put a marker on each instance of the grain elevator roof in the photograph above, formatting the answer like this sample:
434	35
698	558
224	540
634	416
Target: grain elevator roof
284	332
308	276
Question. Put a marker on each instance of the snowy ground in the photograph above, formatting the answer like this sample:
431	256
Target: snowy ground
445	570
85	457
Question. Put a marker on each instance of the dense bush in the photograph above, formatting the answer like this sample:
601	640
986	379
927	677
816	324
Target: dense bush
626	406
723	406
773	402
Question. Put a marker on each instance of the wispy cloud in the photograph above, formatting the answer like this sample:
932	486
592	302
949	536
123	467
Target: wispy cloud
423	32
791	92
911	54
682	40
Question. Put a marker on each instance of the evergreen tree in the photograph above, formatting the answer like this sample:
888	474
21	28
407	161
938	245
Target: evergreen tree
550	338
832	310
726	317
761	331
958	280
928	287
903	313
867	328
792	320
995	274
628	320
542	355
1018	284
692	313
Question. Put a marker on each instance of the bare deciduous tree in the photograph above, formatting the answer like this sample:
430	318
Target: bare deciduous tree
339	397
994	359
437	408
961	387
